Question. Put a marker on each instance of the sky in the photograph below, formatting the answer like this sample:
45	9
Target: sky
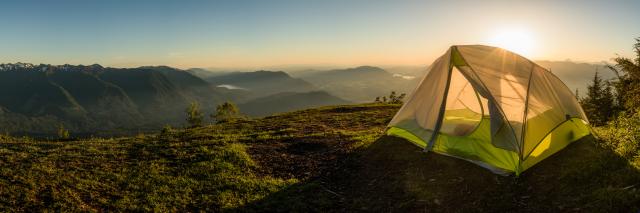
253	34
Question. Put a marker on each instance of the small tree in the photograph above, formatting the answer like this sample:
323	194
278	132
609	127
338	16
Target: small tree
225	112
194	115
63	133
598	103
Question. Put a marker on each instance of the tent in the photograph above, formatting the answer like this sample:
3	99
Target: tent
492	107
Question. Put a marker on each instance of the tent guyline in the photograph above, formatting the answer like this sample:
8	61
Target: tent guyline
492	107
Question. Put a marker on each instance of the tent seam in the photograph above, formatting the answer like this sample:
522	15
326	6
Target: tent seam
556	98
526	111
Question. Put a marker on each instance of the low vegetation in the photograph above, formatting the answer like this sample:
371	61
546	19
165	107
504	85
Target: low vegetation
63	133
195	116
207	168
226	112
324	159
623	136
614	107
393	98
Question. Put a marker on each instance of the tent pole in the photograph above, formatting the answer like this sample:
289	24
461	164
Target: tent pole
443	106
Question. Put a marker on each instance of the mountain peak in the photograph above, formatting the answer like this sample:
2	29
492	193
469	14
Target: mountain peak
272	73
15	66
367	67
19	66
159	67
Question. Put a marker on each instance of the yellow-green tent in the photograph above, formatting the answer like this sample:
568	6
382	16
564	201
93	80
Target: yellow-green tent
492	107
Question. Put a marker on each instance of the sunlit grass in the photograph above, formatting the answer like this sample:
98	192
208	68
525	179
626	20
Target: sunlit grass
206	168
325	159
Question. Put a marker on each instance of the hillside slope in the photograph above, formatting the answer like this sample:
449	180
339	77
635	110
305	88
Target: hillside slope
360	84
36	99
318	160
261	83
289	101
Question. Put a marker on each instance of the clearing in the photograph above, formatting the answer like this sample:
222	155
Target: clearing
316	160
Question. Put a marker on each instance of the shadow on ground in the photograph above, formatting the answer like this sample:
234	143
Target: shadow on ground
392	175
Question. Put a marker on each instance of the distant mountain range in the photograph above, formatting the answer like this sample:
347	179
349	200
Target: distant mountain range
576	75
92	98
37	99
360	84
364	83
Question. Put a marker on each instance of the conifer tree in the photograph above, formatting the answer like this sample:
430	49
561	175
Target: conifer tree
598	103
627	85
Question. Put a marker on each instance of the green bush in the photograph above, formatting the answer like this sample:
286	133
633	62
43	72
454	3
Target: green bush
226	112
622	135
63	133
194	115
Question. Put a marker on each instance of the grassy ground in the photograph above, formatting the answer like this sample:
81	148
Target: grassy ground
326	159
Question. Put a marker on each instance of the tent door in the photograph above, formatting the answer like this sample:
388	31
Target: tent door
464	108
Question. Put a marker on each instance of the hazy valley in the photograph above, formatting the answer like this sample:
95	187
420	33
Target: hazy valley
96	100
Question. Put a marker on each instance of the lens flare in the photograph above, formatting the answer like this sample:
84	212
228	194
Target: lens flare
516	40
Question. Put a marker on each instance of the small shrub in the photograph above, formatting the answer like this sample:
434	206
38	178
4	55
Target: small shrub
63	133
623	136
167	129
226	112
393	98
194	115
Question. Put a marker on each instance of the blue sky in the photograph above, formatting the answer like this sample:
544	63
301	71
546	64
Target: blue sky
272	33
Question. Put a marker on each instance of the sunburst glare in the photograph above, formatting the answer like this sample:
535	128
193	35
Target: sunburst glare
518	40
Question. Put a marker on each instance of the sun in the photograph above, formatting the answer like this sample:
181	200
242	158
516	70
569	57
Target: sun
517	40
